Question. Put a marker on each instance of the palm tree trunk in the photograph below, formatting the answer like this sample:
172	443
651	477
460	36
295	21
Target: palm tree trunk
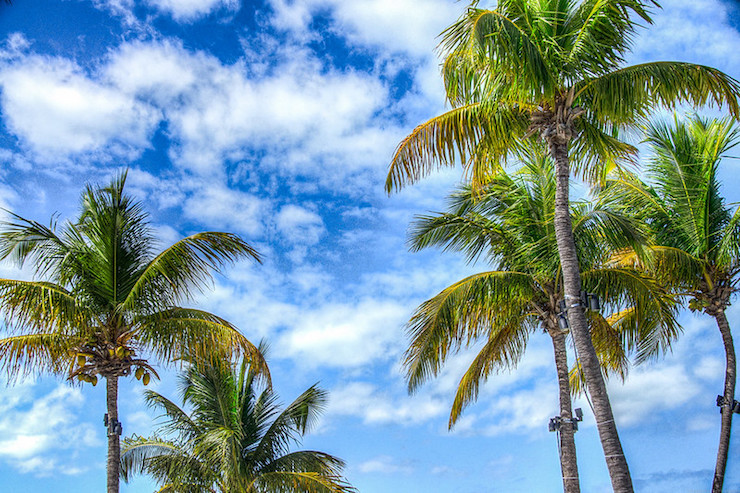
114	445
615	460
568	461
729	398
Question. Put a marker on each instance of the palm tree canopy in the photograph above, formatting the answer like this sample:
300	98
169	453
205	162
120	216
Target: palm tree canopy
237	439
552	67
509	223
697	234
103	295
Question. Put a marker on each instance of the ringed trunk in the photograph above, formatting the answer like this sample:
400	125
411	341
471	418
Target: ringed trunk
567	445
613	453
729	398
114	445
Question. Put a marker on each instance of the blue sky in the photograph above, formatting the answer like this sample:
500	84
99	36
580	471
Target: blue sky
276	120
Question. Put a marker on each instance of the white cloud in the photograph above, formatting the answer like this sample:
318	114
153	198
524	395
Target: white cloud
35	428
410	26
637	398
189	10
57	110
384	464
299	225
374	406
346	335
217	206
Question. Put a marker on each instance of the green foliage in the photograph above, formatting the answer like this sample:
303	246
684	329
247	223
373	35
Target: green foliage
236	439
510	224
104	296
507	66
696	234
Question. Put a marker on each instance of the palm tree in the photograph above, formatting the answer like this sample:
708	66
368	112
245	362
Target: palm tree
103	299
697	235
553	69
510	223
236	440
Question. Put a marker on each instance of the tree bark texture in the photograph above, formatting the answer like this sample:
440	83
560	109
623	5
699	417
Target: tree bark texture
114	445
595	386
729	398
567	445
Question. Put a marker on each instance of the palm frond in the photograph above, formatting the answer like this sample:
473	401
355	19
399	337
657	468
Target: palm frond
504	348
187	333
461	133
35	353
621	95
188	264
459	315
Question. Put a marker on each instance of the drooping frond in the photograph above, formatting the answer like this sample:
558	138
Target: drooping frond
187	265
625	95
190	334
643	310
36	306
503	349
295	481
462	133
460	314
35	353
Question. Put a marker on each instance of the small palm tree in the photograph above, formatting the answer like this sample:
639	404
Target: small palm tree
697	236
104	300
553	69
509	222
236	440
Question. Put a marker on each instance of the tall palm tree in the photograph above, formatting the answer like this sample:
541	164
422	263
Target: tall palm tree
236	440
510	223
553	69
104	300
696	233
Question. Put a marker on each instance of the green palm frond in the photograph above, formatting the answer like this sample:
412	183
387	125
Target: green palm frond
234	440
503	349
503	38
617	97
460	133
173	274
177	420
187	333
38	306
301	415
459	315
295	481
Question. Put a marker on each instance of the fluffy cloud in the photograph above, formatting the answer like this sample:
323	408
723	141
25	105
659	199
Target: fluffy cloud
35	428
346	335
409	26
374	406
188	10
56	109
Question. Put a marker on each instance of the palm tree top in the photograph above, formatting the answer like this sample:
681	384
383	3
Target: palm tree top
555	69
236	439
100	286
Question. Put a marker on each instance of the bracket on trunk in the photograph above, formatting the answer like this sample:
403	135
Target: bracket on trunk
735	405
557	422
114	426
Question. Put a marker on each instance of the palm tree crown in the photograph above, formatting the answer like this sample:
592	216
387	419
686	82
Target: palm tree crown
236	440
